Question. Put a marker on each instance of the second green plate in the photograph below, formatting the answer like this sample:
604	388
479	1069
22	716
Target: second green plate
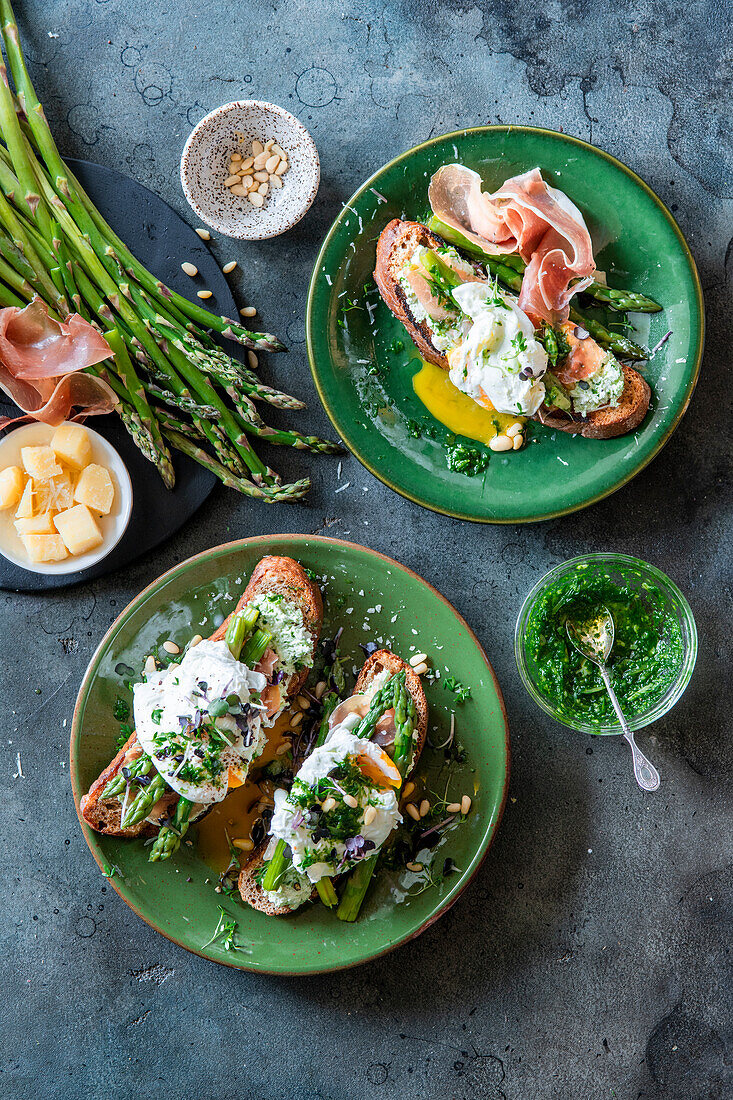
364	378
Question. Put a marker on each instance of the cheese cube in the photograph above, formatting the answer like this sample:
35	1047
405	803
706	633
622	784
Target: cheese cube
45	547
94	488
26	506
40	462
54	495
71	443
11	486
36	525
78	528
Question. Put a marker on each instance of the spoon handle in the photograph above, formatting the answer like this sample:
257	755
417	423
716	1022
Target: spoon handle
645	773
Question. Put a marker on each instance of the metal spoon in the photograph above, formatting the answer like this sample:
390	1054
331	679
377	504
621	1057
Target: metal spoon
594	639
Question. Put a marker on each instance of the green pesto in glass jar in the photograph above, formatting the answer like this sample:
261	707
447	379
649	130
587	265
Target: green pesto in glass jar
645	660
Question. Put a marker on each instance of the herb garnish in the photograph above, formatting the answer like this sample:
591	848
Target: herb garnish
226	930
461	692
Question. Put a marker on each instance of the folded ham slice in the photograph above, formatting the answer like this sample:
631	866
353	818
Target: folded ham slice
42	363
527	216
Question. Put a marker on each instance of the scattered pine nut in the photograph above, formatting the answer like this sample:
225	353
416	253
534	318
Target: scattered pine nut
243	844
500	443
303	702
231	180
252	359
190	269
282	168
514	429
272	163
261	176
413	811
518	441
415	867
150	664
257	147
263	188
248	311
275	181
465	804
239	189
236	156
418	659
282	749
350	801
204	234
369	814
195	640
424	807
256	199
261	160
296	720
229	267
329	804
453	807
320	688
408	789
247	181
421	669
276	149
247	163
171	647
203	294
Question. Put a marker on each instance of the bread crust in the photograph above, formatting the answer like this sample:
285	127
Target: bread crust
399	239
607	423
271	574
250	890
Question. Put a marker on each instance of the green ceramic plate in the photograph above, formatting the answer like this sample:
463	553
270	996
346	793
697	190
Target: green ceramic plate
361	587
366	385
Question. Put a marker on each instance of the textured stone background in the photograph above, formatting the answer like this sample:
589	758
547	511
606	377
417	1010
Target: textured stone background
589	959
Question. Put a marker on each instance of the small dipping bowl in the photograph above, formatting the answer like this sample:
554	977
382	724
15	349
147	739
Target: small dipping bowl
112	526
232	129
651	585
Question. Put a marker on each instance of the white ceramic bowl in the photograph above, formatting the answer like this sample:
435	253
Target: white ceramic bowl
112	526
232	129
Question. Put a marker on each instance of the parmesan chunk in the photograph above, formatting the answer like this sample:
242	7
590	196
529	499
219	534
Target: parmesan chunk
78	528
36	525
11	486
40	462
72	445
94	488
54	495
45	547
25	508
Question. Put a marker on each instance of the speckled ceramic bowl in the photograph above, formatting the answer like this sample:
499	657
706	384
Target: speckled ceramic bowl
231	129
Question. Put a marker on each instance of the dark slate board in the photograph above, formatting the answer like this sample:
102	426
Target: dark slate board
162	240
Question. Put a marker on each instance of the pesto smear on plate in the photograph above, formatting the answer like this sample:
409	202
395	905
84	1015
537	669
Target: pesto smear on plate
647	651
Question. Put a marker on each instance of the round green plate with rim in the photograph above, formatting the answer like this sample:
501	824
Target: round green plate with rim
364	378
360	587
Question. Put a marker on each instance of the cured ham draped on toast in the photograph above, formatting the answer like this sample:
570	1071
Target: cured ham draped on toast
442	337
526	216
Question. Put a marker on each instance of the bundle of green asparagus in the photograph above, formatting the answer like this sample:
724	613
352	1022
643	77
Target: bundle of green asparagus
176	385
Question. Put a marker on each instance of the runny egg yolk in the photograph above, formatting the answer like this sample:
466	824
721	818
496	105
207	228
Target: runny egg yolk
382	773
457	411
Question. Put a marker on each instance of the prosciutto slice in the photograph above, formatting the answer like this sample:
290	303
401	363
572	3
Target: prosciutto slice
527	216
42	363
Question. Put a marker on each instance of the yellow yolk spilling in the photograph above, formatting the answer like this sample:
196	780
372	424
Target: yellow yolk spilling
383	774
457	411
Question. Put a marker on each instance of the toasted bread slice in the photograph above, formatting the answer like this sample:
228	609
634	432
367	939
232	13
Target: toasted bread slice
272	574
397	242
607	423
249	888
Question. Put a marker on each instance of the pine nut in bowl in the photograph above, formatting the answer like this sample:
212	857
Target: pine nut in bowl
250	170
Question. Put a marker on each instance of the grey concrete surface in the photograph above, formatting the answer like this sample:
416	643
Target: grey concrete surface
591	957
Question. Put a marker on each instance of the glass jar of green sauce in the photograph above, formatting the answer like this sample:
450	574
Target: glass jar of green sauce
653	654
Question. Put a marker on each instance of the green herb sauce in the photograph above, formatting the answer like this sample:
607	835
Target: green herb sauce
647	652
